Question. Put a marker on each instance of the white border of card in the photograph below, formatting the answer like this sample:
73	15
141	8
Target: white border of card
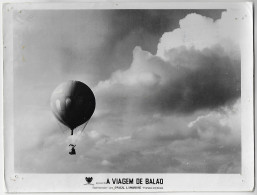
18	182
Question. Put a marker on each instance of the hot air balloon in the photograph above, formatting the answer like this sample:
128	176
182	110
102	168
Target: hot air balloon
73	104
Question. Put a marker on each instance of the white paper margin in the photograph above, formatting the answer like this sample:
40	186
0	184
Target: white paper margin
16	182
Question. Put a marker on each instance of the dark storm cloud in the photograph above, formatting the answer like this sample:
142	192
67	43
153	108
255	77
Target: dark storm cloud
214	81
188	81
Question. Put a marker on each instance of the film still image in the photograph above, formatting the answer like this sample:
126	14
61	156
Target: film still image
127	91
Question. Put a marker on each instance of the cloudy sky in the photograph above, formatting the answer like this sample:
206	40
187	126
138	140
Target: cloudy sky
167	86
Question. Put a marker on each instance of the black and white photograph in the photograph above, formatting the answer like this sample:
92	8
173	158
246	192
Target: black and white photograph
130	91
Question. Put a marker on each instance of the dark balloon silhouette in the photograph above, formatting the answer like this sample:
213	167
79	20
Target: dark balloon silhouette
73	103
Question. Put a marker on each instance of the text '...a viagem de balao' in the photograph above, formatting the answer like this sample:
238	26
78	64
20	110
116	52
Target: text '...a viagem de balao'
138	181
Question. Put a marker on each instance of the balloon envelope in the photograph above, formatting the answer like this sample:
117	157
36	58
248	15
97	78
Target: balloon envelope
73	103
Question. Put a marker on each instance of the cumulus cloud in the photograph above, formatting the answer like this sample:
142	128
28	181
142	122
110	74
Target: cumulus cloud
209	143
227	32
196	67
190	80
219	135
